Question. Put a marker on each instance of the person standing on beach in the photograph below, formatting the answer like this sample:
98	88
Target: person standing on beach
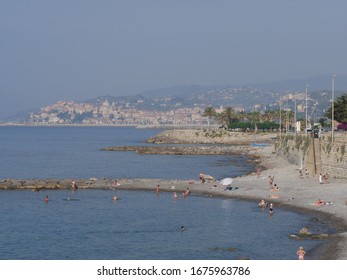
320	178
301	253
259	172
271	180
271	209
307	174
74	185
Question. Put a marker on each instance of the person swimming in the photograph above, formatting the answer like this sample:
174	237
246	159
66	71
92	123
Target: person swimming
182	228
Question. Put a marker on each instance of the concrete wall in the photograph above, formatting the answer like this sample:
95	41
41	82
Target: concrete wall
317	155
334	155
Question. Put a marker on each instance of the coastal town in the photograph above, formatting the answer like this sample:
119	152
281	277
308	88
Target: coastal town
174	110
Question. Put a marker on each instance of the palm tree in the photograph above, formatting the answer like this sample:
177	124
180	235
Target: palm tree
254	118
269	116
226	117
229	114
209	112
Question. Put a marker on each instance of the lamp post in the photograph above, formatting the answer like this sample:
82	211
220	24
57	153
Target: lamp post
306	108
295	113
280	120
332	107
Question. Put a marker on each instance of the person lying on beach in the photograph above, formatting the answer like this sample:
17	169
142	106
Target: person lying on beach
115	184
319	202
229	188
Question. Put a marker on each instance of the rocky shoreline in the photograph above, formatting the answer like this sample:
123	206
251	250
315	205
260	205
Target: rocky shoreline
184	150
210	136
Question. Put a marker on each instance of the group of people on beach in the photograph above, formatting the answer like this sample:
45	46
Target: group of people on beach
273	187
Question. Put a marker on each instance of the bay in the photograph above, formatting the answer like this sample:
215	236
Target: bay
88	224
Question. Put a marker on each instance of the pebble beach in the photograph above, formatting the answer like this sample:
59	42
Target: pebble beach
300	194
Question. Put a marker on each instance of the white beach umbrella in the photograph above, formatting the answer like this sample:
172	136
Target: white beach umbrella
226	181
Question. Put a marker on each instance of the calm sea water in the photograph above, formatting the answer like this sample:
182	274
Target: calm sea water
74	152
141	225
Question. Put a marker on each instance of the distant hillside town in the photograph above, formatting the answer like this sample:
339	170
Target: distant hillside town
64	112
177	109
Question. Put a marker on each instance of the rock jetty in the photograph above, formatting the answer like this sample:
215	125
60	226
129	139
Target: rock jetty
184	150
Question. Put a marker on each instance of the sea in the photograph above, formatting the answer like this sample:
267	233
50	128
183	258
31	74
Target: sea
141	225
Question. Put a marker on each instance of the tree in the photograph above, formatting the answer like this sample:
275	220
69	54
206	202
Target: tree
340	109
254	118
227	117
322	121
210	113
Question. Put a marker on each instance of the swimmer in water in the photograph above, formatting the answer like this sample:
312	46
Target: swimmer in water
46	199
182	228
115	197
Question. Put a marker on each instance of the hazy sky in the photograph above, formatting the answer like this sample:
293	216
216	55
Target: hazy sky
70	49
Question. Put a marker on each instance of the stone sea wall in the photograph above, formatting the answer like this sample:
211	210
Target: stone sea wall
332	155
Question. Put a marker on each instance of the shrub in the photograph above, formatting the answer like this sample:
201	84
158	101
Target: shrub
342	126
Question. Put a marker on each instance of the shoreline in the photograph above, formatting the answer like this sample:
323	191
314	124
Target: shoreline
250	188
293	193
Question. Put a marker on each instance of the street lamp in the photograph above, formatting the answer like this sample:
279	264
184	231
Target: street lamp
295	127
332	107
306	109
280	120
